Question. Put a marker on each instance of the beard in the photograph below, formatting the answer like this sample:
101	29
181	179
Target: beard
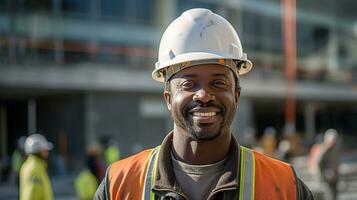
203	132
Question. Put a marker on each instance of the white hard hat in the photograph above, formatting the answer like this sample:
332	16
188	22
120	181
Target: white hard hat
35	143
330	135
199	36
21	143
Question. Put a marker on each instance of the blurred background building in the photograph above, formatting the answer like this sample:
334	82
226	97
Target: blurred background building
78	71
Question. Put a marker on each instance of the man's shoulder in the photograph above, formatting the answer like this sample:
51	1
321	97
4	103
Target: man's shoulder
274	175
125	176
30	167
269	160
139	157
270	167
132	163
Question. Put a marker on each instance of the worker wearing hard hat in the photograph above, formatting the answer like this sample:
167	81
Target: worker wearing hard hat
86	182
200	61
18	157
34	181
328	161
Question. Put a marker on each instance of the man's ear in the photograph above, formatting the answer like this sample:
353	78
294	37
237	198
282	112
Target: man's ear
167	96
237	95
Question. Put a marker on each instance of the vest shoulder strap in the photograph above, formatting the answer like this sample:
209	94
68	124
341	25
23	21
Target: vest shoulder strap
260	177
126	178
150	175
247	174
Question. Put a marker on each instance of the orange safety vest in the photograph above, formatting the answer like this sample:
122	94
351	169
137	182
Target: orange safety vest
261	177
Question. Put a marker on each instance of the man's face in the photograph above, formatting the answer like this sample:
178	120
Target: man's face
44	154
203	100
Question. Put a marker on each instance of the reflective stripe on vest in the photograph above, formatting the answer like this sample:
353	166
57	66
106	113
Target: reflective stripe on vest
247	175
150	174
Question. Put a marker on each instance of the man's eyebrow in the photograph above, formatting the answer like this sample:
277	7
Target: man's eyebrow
220	75
196	75
188	76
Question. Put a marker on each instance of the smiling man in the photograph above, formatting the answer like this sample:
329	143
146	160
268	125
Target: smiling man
203	100
200	61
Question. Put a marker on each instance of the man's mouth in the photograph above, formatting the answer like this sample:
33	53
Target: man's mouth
204	114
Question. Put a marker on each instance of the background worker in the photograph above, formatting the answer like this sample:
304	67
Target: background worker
94	160
34	181
328	161
86	182
269	142
111	152
200	61
17	158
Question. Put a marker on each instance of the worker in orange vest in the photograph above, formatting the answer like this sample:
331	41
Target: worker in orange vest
200	62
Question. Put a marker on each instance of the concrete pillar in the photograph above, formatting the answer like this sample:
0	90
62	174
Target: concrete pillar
31	116
244	117
3	131
58	38
310	122
12	31
94	17
166	11
332	53
89	119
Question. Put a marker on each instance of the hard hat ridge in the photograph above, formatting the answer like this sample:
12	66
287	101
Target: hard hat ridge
197	13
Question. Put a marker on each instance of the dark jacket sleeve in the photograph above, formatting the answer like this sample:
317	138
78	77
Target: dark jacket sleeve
303	192
102	192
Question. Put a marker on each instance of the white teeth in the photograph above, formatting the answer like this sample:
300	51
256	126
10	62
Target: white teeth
204	114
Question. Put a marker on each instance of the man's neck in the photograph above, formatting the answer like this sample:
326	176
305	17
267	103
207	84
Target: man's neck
200	152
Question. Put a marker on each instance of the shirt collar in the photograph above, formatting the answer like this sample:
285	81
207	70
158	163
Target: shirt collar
38	160
165	177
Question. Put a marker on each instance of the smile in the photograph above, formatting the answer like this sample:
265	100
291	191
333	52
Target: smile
204	114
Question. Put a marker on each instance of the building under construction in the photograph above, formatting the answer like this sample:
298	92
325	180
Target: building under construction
79	71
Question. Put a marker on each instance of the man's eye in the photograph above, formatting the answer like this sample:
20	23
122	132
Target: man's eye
220	83
188	84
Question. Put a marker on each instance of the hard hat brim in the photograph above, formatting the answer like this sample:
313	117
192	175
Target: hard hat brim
198	56
48	146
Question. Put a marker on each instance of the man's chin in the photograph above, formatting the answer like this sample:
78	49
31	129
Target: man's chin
204	134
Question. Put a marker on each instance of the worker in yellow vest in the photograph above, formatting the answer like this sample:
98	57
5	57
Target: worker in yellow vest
111	152
86	184
34	181
18	157
200	62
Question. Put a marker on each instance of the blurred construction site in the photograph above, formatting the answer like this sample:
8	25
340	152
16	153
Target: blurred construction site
79	72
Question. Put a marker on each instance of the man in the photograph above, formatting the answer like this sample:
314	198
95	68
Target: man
111	152
200	60
18	157
328	161
34	181
86	182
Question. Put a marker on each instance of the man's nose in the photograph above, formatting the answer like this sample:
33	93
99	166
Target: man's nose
203	95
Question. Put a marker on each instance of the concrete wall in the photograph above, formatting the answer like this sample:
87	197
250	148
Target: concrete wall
119	115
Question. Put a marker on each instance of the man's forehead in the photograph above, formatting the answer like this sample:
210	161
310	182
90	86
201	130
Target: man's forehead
214	70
